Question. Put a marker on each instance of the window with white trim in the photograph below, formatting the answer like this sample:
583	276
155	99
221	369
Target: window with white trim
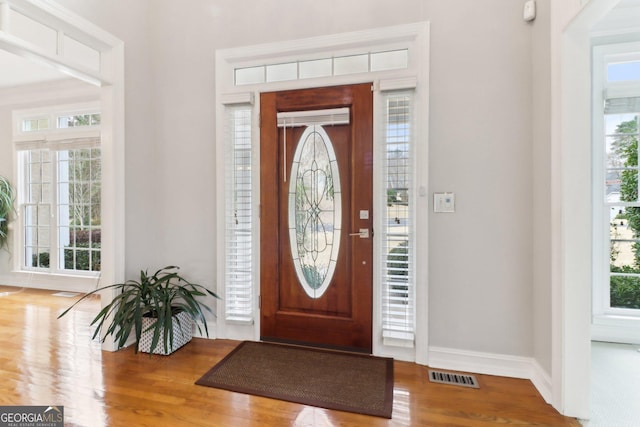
397	235
59	193
238	215
616	120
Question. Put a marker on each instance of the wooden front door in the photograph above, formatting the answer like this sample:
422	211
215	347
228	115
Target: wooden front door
316	216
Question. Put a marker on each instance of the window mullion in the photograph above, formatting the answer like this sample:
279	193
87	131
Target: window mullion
55	229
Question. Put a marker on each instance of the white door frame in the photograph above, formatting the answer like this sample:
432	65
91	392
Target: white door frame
572	222
415	38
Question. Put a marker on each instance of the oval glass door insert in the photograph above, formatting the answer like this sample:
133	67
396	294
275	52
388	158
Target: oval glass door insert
315	211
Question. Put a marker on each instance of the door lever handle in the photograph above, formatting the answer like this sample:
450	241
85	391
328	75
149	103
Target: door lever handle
363	233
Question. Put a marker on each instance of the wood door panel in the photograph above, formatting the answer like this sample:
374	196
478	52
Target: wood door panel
334	332
336	300
342	316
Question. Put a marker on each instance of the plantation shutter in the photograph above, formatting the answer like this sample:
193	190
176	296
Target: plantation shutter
238	216
397	240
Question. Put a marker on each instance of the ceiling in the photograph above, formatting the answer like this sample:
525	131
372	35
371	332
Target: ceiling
18	71
625	17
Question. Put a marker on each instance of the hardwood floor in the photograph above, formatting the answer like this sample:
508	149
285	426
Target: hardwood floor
45	361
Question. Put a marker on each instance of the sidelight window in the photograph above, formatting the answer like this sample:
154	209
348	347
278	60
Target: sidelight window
397	237
238	216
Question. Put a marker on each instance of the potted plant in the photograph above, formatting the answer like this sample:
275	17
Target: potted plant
159	309
7	197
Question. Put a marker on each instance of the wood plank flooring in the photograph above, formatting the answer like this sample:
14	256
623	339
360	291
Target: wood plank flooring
45	361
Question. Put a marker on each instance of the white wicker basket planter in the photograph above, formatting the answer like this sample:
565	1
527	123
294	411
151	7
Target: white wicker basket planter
182	333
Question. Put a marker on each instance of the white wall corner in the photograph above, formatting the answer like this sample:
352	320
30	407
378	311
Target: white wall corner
492	364
541	381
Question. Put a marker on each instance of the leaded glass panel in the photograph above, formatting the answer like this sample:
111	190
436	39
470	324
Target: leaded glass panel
315	211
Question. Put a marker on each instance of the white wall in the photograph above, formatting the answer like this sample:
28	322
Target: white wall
481	279
480	148
6	160
541	156
480	145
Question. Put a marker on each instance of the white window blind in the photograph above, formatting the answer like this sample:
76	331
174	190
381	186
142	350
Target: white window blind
622	105
397	237
238	216
330	117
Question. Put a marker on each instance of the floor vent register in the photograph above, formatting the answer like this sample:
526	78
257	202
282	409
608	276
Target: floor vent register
453	379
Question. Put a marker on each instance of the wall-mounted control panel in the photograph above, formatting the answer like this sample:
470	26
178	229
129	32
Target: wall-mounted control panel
444	202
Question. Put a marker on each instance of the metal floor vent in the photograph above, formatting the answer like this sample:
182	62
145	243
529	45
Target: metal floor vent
453	379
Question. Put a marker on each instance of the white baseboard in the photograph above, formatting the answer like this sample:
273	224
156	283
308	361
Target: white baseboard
542	381
618	329
211	326
53	282
492	364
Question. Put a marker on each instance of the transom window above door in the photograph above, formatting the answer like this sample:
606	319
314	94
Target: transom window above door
365	62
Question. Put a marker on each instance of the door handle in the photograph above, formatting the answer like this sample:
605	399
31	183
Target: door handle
363	233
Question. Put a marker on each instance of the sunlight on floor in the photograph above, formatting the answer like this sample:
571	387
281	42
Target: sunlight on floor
313	417
615	385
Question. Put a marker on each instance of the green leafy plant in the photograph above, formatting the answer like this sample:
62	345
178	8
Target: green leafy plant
160	296
625	290
7	197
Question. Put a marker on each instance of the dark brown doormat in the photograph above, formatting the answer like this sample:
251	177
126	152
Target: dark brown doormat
327	379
